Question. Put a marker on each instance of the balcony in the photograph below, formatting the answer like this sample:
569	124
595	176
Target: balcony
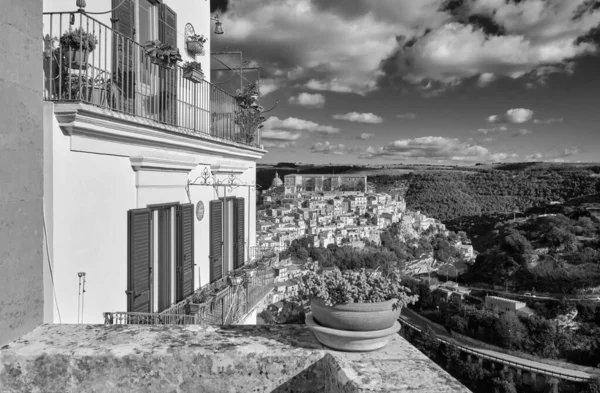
228	301
118	76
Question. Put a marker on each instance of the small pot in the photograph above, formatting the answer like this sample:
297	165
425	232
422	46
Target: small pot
235	280
193	75
75	58
162	63
355	316
195	48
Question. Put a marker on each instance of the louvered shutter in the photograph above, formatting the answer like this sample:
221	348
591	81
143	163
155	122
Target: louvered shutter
123	50
238	233
139	260
216	240
185	251
167	33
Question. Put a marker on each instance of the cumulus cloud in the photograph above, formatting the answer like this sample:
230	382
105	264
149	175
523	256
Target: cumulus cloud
514	115
492	130
280	135
522	132
308	100
485	79
280	145
557	156
294	123
267	86
407	116
435	148
328	148
356	117
322	44
366	135
548	121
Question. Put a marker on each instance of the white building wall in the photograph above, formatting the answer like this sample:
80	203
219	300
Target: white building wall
90	195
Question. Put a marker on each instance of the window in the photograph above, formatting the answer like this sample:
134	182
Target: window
160	256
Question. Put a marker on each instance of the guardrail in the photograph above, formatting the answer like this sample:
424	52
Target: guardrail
500	360
115	72
140	318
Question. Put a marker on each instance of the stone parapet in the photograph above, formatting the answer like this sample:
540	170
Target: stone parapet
134	358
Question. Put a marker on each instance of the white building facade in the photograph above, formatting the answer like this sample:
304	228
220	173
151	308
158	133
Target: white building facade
149	194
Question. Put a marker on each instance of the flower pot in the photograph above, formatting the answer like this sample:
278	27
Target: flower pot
235	280
75	58
195	76
355	316
162	63
351	341
195	48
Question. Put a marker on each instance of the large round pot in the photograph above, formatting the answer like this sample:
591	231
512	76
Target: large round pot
351	341
360	317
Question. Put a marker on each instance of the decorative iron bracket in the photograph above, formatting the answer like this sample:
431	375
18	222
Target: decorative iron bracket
231	182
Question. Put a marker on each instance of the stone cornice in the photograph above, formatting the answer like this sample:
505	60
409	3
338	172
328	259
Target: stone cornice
152	163
226	169
78	119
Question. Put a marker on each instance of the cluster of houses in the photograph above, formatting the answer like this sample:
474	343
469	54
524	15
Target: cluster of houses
330	217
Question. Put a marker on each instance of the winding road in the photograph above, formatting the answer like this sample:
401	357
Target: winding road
420	322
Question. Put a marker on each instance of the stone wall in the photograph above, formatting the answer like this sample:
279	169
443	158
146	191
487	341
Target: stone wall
284	358
21	168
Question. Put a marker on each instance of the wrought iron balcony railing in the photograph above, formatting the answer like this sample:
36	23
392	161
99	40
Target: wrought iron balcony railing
224	302
99	66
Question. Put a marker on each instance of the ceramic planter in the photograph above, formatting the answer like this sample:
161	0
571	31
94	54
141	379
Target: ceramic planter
351	341
235	280
361	317
193	75
195	48
75	58
162	63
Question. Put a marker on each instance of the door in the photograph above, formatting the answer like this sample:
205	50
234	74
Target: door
163	257
139	260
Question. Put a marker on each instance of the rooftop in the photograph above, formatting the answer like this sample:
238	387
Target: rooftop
283	358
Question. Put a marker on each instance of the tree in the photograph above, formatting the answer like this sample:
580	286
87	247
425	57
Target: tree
427	342
510	331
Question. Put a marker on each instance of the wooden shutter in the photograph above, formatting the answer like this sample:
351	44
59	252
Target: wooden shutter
139	260
185	251
124	49
238	233
216	240
167	33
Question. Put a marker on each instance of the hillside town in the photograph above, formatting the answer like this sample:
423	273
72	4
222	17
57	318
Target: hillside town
339	216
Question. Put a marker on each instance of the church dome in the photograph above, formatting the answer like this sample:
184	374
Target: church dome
277	182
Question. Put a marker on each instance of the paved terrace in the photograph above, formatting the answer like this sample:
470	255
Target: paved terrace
134	358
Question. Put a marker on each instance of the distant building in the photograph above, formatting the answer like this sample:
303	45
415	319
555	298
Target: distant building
295	183
500	304
277	182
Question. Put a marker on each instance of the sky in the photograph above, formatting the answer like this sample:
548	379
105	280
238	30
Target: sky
422	81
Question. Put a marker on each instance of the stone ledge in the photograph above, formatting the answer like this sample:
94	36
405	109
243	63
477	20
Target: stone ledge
133	358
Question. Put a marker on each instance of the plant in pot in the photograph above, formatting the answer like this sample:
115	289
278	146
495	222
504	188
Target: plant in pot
195	44
200	300
236	278
354	311
163	55
192	71
76	45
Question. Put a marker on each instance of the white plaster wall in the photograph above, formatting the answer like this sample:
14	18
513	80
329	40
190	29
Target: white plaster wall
88	196
251	318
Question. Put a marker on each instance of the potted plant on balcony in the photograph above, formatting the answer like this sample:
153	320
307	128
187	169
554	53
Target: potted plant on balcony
76	45
195	44
354	311
163	55
192	71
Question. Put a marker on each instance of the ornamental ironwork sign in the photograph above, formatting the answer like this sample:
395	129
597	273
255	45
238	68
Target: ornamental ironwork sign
230	182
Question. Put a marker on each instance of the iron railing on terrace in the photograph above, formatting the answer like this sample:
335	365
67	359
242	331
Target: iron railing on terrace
224	302
118	75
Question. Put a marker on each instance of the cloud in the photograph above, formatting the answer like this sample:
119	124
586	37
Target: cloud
328	148
435	148
280	135
532	34
492	130
279	145
485	79
369	118
355	46
293	123
522	132
366	135
408	116
267	86
557	156
548	121
308	100
515	115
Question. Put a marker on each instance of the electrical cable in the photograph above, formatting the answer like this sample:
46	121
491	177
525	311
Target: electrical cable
50	264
